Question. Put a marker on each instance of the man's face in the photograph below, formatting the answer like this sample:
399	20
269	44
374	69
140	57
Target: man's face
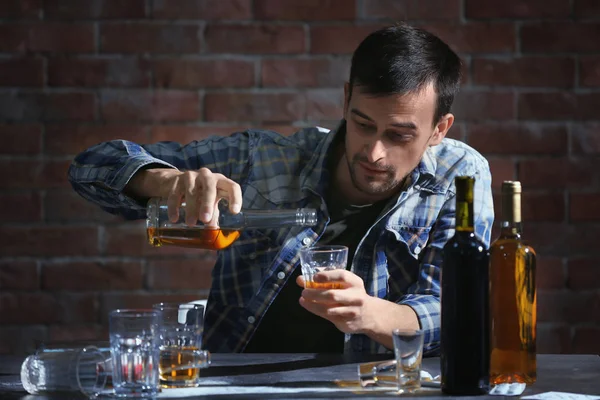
387	136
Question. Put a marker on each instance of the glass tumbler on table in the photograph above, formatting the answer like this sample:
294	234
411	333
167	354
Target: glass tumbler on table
65	370
134	351
322	258
180	343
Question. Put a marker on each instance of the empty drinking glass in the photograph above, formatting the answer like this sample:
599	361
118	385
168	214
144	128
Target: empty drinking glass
134	349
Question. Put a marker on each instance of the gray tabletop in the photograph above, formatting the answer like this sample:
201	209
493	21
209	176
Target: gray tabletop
287	372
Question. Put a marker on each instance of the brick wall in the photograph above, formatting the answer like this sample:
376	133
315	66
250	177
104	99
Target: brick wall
77	72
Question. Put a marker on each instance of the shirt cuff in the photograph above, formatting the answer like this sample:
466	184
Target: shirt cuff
428	310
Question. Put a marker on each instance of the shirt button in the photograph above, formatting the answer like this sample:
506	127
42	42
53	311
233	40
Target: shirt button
252	256
275	286
306	241
417	250
280	275
251	319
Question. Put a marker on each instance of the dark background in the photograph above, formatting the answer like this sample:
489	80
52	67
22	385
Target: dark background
77	72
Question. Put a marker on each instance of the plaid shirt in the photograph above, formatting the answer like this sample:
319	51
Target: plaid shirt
398	258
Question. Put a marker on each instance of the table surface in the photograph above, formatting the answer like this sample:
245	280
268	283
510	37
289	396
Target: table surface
309	375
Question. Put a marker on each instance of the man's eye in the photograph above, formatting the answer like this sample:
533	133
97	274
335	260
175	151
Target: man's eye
365	126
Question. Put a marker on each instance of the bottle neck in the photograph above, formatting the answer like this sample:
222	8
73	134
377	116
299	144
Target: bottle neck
253	219
464	203
511	214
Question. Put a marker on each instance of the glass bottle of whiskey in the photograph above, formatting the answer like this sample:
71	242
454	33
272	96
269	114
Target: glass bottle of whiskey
161	231
512	297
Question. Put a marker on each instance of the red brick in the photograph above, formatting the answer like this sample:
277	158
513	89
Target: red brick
587	106
584	207
584	273
150	106
324	104
543	207
71	139
338	39
477	106
20	275
180	274
586	341
78	308
202	9
589	71
98	72
50	241
310	10
21	340
229	107
76	332
255	39
313	72
555	173
586	8
142	37
187	134
21	9
583	241
68	206
21	106
93	9
29	308
585	139
526	71
502	170
33	174
547	238
22	72
411	9
130	239
512	138
25	139
476	37
92	276
47	37
570	307
21	207
517	9
143	300
550	273
549	37
178	73
552	339
547	106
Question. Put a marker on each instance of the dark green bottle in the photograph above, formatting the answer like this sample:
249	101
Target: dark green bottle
465	336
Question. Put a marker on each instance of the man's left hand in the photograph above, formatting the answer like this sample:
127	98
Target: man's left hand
349	308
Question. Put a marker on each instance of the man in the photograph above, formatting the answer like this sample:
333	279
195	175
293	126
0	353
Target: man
382	183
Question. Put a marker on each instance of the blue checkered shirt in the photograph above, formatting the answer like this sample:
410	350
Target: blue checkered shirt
398	258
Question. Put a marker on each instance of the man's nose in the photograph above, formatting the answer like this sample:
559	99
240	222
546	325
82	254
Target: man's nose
375	151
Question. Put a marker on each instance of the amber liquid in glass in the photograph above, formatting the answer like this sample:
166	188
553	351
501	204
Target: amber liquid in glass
323	285
172	366
211	239
513	311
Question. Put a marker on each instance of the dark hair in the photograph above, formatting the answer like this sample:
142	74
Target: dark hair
401	59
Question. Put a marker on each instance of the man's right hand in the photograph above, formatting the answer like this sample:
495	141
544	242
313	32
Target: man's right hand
201	190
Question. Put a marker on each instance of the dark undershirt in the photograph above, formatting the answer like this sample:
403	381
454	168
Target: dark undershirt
287	327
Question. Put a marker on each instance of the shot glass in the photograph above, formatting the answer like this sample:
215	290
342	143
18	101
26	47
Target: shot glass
408	351
52	370
322	258
134	351
404	371
180	343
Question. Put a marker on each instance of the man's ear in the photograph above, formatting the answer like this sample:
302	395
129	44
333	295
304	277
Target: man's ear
346	98
441	129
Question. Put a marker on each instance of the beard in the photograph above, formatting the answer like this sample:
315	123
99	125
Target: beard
386	182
